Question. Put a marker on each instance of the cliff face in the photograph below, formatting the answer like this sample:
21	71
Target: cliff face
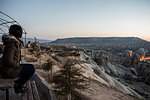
97	40
136	78
113	44
143	70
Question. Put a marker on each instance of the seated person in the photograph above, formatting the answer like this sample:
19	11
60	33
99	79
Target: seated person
11	67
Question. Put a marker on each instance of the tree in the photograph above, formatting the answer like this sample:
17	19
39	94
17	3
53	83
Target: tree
38	52
34	49
69	80
48	66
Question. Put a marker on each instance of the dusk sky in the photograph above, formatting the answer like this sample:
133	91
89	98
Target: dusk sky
52	19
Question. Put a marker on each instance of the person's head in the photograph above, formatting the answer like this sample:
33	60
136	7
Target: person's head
15	30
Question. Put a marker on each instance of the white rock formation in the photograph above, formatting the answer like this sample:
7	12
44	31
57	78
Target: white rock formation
89	66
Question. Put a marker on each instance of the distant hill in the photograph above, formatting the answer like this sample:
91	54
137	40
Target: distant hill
93	40
41	40
32	40
105	43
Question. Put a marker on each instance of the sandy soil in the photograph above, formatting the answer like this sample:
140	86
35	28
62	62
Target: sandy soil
98	91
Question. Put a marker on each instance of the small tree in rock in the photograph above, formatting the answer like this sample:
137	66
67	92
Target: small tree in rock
69	80
38	52
48	66
32	49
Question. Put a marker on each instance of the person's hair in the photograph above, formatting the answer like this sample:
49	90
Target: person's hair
15	30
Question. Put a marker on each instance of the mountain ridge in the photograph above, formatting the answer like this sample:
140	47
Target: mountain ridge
112	44
97	38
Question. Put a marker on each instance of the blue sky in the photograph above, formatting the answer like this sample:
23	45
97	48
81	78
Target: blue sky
52	19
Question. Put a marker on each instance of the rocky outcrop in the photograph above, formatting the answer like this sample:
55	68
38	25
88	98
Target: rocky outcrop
144	71
110	74
106	68
102	57
135	79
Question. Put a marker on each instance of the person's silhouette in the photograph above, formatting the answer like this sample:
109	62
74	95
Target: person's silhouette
11	67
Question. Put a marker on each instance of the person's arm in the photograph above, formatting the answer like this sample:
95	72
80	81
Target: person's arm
9	55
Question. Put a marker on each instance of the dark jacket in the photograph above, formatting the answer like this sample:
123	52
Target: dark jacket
11	57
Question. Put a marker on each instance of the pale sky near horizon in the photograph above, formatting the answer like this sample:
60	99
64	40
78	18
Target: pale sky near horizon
52	19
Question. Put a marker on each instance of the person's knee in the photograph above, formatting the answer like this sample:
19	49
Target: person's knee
33	69
28	68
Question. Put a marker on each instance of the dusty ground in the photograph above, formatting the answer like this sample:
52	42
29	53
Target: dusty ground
99	91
